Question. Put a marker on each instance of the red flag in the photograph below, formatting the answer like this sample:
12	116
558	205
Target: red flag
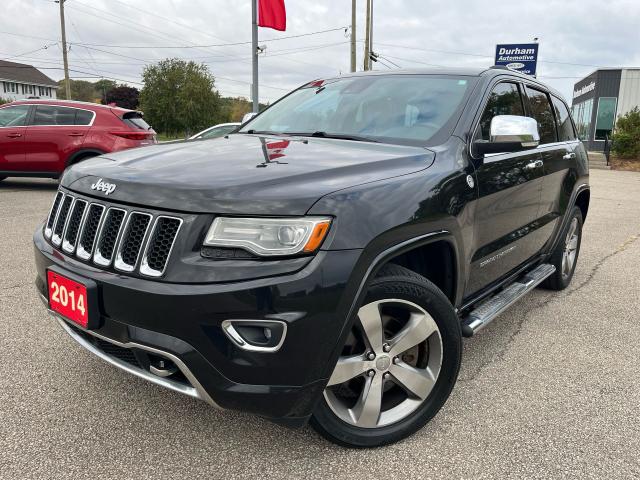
272	14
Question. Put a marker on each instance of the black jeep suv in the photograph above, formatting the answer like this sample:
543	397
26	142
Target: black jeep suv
324	261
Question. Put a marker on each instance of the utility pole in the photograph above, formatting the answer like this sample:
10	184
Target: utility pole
67	83
353	35
371	36
367	61
254	55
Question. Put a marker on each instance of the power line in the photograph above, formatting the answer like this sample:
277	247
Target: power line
212	45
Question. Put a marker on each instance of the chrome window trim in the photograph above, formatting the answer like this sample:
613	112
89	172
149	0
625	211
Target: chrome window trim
57	240
98	259
66	246
144	266
49	231
80	251
119	264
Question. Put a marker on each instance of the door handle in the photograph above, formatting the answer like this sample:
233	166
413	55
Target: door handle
14	135
569	156
76	134
533	165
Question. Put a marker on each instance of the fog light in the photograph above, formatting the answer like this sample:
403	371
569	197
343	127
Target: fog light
256	335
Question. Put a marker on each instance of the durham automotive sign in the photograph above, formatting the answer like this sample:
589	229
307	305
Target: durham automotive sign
521	57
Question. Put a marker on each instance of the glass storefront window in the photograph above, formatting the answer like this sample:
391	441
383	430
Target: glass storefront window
606	117
582	117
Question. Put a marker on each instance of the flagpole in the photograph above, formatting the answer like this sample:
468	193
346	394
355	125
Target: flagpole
254	56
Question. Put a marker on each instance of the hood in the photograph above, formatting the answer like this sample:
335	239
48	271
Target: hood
241	174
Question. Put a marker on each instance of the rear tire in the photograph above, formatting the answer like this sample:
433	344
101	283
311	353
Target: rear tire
565	256
400	308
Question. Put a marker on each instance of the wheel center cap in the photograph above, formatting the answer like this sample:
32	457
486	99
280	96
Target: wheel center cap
383	362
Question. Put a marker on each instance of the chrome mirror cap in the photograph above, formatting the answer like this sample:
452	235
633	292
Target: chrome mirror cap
514	128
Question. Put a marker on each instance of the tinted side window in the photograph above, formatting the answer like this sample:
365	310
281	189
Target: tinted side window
14	116
541	111
505	99
565	128
52	115
83	117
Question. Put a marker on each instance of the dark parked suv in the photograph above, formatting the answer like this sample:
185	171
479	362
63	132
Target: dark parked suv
40	138
324	262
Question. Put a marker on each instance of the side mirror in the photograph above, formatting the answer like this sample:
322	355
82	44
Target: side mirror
509	133
248	116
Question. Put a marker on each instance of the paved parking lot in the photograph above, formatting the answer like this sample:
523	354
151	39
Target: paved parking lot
551	389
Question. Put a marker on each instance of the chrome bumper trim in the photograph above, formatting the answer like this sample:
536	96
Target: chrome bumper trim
195	391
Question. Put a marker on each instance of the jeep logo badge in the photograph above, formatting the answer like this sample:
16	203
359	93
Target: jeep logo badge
105	187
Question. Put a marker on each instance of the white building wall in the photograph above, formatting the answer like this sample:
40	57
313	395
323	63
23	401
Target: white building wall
629	96
12	90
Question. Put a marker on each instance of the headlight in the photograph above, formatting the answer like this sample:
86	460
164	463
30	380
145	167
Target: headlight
269	236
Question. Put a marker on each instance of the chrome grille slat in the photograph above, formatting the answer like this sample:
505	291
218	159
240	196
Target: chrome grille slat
109	235
160	245
61	220
53	215
133	237
112	236
90	228
76	217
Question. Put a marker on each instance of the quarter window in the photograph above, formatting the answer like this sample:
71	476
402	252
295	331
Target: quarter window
83	117
563	120
541	111
505	99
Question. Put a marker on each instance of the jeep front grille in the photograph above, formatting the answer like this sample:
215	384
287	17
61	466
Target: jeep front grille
131	244
159	247
108	236
112	236
61	220
73	229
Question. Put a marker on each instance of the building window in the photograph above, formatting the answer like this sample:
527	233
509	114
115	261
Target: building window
606	117
582	116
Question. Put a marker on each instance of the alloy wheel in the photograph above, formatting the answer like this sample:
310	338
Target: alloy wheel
389	365
571	246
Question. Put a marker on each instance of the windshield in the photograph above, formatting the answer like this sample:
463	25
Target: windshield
392	108
218	131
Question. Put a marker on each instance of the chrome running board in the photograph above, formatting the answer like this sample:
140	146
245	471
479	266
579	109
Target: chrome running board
487	311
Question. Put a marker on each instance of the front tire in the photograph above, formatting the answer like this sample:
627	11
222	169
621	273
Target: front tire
398	366
565	256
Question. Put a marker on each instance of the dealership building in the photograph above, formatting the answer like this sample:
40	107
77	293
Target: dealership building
600	98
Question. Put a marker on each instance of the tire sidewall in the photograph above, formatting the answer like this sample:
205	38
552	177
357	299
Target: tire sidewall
565	281
423	293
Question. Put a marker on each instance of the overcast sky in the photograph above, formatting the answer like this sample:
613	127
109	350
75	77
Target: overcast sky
584	34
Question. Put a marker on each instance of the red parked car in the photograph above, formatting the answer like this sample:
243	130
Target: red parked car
40	138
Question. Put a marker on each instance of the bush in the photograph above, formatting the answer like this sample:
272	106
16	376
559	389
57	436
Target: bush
4	100
626	139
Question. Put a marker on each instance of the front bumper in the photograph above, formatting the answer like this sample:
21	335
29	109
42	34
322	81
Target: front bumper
183	323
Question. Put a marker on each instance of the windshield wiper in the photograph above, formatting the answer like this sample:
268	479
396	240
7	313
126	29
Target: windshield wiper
340	136
260	132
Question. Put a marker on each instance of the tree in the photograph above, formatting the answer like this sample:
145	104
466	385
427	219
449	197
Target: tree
123	96
178	97
626	139
80	90
102	86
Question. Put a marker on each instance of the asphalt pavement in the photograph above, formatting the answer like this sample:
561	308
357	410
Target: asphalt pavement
551	389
